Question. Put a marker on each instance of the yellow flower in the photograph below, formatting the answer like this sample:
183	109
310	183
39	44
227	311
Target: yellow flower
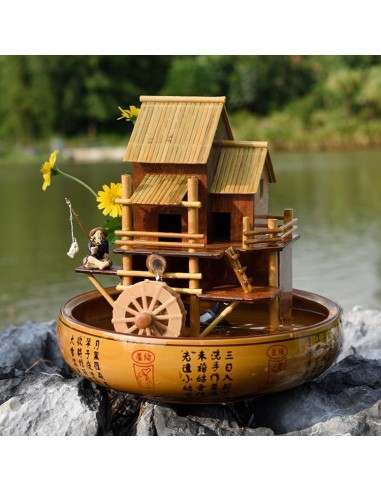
106	199
47	169
130	114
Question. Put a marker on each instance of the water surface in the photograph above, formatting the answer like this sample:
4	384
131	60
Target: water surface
335	195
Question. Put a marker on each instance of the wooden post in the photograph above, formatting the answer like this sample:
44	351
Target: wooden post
288	217
101	289
194	302
273	278
126	225
286	300
245	227
219	318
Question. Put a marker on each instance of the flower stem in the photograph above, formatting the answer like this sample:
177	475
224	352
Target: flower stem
77	181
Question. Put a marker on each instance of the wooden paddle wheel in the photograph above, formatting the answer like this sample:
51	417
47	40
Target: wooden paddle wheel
149	308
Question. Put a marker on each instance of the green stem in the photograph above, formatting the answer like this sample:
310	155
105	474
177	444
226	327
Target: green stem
77	181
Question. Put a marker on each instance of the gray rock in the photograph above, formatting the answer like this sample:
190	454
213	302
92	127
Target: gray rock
48	405
362	333
31	347
344	400
160	419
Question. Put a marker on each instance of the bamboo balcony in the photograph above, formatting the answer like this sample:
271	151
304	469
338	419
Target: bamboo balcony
269	232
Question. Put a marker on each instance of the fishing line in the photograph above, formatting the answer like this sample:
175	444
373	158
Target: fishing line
74	248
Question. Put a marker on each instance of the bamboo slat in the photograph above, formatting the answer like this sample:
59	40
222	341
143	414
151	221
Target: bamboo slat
289	224
175	150
198	150
171	275
288	233
154	134
123	201
180	290
160	244
165	134
188	126
172	131
184	235
257	232
263	240
147	134
269	216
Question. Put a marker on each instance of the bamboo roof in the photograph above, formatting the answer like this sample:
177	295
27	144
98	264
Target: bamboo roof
176	130
240	167
161	189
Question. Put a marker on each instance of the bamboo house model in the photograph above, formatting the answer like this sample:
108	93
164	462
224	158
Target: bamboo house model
202	260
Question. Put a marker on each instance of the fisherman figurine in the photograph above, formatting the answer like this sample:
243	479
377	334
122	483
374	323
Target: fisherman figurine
98	248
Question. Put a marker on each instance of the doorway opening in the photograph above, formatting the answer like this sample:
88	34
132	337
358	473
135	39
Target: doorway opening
169	223
221	226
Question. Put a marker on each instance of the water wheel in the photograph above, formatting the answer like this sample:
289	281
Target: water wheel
149	308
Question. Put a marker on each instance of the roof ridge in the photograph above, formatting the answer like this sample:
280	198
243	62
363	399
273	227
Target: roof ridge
218	99
245	143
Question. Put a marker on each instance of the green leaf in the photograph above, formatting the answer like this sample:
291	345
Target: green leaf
111	226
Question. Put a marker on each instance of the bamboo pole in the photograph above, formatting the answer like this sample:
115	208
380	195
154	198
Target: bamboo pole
220	317
288	219
123	201
180	290
273	278
268	216
293	229
174	275
191	204
289	224
273	258
193	262
188	204
274	314
245	228
256	232
101	289
126	224
263	240
159	234
167	244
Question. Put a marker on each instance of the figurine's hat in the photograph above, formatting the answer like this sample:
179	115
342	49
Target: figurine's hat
93	231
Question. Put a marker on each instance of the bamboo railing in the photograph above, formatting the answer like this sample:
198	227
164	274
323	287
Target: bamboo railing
270	231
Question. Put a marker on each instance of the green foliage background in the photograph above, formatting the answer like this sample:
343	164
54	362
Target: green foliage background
294	102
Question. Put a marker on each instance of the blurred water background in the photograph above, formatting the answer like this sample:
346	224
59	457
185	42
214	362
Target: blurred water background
335	195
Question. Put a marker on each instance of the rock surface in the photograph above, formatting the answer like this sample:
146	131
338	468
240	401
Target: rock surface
40	396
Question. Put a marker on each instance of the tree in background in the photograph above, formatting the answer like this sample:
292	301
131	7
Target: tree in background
72	95
78	96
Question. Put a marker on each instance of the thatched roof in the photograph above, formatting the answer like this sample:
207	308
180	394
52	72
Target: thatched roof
240	167
177	130
161	189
